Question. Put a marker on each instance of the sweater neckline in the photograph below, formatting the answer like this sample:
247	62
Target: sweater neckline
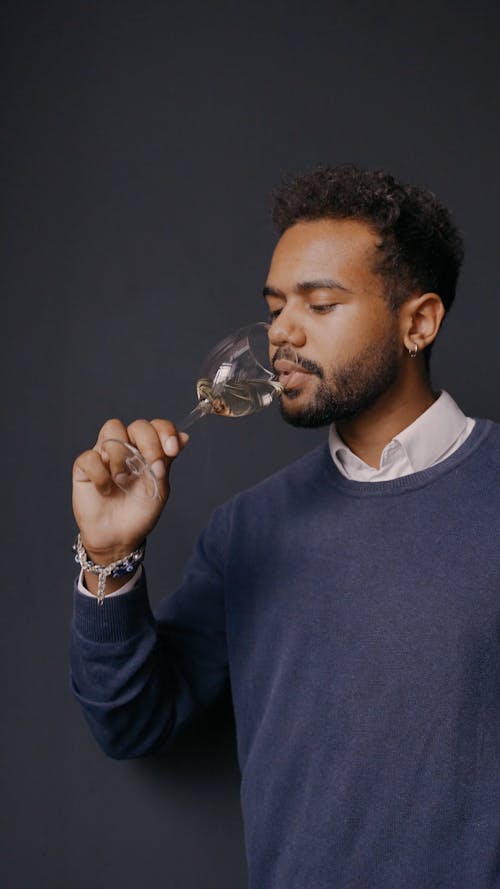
410	482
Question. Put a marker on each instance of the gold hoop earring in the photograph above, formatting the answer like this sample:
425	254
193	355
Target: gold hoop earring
413	352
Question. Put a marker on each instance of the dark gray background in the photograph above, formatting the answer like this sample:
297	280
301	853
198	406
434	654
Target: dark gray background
140	143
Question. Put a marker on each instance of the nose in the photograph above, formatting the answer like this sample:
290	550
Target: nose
285	330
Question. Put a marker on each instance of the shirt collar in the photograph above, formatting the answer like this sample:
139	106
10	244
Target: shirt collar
428	438
423	443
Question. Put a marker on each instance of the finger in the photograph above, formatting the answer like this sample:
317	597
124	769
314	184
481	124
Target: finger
89	467
124	461
111	429
172	441
144	436
113	446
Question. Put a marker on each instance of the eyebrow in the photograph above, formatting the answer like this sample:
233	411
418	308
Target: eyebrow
305	287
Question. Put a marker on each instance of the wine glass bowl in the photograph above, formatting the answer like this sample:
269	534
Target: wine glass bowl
235	380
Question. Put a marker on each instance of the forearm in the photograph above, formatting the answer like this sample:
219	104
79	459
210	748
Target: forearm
118	674
140	677
124	671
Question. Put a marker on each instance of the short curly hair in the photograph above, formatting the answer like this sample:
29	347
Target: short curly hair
420	246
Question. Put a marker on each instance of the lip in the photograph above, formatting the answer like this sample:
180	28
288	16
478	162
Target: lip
290	374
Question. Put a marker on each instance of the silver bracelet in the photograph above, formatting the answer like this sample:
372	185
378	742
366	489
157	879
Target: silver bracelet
115	569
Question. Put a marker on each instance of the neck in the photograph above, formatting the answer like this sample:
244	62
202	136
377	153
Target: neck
369	432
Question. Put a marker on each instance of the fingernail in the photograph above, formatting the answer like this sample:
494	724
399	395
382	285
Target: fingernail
158	468
184	437
170	445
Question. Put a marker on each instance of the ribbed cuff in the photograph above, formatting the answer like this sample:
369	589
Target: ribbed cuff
119	618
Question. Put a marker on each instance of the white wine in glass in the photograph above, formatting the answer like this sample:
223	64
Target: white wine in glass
235	381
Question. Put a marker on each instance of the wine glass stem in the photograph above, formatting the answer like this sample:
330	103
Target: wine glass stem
201	410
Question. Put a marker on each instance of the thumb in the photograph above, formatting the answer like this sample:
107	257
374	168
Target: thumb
79	475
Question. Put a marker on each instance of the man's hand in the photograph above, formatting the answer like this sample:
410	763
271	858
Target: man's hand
113	523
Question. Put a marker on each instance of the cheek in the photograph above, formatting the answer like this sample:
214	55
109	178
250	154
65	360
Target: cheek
350	334
369	326
344	332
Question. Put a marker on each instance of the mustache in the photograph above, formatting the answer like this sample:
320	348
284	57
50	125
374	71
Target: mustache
288	354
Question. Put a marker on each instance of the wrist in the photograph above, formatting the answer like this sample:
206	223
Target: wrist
117	569
106	555
113	584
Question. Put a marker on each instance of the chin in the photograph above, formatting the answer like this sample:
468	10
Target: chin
302	416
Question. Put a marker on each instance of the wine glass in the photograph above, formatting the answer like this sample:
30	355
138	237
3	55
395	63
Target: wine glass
235	380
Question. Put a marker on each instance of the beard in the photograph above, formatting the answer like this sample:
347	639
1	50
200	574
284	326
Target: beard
345	392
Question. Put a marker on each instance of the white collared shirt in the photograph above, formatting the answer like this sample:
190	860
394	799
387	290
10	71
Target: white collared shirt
432	437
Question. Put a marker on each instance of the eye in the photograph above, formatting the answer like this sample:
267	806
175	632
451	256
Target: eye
323	308
274	314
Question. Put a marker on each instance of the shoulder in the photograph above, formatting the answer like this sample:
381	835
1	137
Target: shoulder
299	476
491	449
300	472
495	431
488	437
473	470
257	512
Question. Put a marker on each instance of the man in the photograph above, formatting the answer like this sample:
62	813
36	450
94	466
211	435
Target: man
352	598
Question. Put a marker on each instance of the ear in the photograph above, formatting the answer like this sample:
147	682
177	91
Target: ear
421	317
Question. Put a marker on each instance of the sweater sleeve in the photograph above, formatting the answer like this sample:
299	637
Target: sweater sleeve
138	676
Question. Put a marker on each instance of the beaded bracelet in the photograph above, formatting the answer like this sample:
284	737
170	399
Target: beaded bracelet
116	569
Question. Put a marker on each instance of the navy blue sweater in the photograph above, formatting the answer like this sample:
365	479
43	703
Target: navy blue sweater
359	625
